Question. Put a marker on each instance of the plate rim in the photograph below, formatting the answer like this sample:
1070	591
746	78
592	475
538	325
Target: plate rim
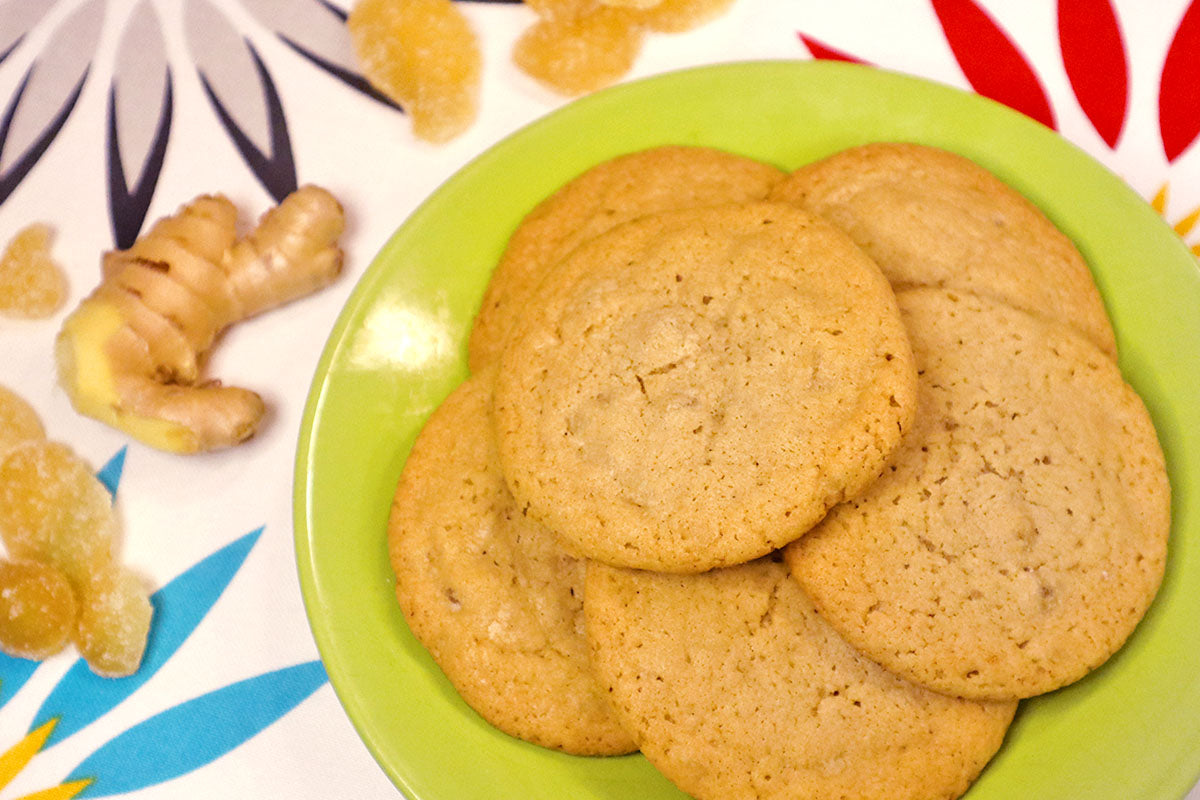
376	272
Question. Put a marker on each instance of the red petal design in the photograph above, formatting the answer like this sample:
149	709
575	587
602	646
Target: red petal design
1179	88
1094	56
993	65
821	50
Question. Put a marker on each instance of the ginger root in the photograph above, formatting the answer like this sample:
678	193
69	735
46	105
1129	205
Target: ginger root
131	354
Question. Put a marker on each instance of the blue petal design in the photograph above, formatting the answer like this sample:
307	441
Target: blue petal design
195	733
81	696
13	674
110	473
275	170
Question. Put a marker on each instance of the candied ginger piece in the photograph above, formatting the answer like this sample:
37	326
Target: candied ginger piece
676	16
32	285
54	509
37	609
580	54
113	622
562	9
640	4
19	423
424	56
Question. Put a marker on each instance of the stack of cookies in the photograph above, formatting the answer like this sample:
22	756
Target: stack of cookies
795	483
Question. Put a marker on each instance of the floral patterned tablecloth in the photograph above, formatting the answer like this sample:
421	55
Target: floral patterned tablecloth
114	112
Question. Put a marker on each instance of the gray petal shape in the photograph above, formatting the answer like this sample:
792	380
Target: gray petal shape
139	87
54	77
140	111
228	67
310	25
17	18
316	29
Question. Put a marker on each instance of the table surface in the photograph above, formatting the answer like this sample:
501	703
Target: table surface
250	98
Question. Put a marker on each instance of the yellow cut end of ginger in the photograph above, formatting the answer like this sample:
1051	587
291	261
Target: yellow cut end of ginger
86	371
129	354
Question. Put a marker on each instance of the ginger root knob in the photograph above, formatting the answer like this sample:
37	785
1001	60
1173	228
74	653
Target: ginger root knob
130	354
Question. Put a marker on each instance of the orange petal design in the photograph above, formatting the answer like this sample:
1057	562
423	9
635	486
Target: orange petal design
1159	203
1185	225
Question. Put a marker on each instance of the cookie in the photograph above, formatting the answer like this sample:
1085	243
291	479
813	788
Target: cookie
1019	533
932	218
696	388
734	687
490	593
615	191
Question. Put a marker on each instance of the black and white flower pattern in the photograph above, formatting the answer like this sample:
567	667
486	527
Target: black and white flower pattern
49	50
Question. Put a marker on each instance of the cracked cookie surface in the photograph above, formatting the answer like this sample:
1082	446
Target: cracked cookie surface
933	218
735	688
696	388
1019	533
615	191
491	594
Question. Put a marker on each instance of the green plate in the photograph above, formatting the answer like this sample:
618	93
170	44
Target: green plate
1130	730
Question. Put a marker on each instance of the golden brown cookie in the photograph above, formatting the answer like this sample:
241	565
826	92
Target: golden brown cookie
1020	532
616	191
696	388
489	592
933	218
734	687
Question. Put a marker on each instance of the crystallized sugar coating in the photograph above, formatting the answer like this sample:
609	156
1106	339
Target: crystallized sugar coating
1019	533
675	16
736	689
491	594
32	284
19	423
582	53
114	621
54	509
616	191
933	218
696	388
37	609
423	55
